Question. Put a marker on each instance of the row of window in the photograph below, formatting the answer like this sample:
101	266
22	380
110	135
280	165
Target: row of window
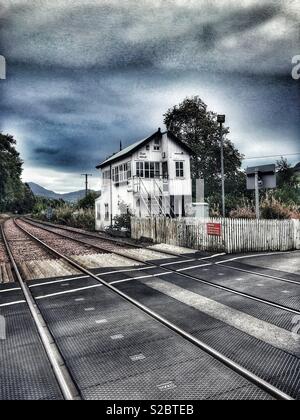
146	170
122	172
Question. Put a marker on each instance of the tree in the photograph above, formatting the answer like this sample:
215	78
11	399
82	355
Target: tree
11	187
88	202
27	202
14	195
197	127
285	174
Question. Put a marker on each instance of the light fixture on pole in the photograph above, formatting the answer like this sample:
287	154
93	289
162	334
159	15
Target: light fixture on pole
221	120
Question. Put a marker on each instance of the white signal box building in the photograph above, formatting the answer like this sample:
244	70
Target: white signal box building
150	177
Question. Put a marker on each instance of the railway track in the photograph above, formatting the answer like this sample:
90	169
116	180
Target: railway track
58	377
217	259
186	266
6	273
277	391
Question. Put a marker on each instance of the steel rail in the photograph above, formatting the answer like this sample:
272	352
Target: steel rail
183	257
97	236
62	375
179	273
251	377
268	276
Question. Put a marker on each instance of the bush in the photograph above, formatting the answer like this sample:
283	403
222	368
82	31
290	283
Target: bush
123	221
243	213
271	208
69	216
88	202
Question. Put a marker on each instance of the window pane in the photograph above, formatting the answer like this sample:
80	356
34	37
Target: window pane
157	169
146	169
151	169
140	169
179	169
128	170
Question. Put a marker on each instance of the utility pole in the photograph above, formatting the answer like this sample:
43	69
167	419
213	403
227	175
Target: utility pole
221	121
86	183
257	194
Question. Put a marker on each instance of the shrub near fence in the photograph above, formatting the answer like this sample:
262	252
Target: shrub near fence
237	235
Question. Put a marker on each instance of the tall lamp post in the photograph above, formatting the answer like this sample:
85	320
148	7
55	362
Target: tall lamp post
221	120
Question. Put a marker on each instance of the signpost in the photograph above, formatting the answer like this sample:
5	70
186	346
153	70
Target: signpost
214	229
258	178
2	68
221	120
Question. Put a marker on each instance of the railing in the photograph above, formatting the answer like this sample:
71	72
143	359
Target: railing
148	195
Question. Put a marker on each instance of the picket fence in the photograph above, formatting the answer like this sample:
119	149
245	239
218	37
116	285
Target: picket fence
236	235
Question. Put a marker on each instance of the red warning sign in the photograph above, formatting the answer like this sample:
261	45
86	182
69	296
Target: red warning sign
214	229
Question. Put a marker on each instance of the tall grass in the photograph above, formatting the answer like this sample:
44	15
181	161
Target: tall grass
70	216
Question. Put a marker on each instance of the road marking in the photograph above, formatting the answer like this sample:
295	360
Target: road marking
66	292
86	277
126	270
178	262
192	260
145	277
268	254
12	303
191	268
282	279
57	281
10	290
255	327
101	285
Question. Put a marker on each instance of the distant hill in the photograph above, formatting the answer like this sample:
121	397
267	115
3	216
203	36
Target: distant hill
71	197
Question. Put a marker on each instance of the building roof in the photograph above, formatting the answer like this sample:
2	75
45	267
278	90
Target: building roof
135	146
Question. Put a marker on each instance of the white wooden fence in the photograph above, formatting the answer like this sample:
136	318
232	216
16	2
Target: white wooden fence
236	235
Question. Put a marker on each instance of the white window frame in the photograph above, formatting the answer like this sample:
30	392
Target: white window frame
179	169
140	169
98	211
148	169
157	145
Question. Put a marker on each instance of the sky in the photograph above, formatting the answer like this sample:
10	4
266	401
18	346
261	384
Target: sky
83	76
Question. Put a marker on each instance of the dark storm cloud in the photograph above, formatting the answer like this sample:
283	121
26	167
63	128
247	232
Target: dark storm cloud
83	76
46	151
